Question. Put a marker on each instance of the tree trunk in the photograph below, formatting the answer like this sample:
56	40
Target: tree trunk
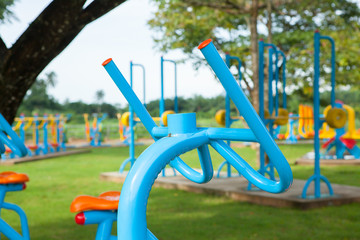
46	37
254	47
254	53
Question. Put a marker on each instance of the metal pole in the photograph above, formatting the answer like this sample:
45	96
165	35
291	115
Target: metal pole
316	113
162	104
131	125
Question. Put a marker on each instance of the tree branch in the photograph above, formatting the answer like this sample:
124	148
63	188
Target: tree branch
49	34
225	6
97	9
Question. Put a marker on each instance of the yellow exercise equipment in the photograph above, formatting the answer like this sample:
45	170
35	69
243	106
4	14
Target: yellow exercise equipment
220	117
282	118
336	118
165	115
351	133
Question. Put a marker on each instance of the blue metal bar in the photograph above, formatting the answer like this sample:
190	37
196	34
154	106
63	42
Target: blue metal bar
144	81
15	144
162	101
233	134
270	91
317	112
149	123
248	112
333	57
131	123
130	96
276	82
131	222
9	232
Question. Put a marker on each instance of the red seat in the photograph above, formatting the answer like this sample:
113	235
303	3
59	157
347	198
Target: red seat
54	144
13	177
33	147
105	201
8	150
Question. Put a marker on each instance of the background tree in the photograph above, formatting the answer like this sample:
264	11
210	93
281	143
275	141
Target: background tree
5	13
99	96
58	24
38	100
232	24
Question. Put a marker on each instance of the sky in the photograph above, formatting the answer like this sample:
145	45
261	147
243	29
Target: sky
123	35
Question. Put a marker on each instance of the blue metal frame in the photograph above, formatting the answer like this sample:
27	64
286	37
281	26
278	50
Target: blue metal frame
14	142
273	50
17	146
317	177
181	136
131	159
162	100
95	133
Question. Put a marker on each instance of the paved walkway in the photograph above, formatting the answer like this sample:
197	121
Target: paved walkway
235	188
8	162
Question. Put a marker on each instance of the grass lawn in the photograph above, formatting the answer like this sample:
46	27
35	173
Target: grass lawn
176	214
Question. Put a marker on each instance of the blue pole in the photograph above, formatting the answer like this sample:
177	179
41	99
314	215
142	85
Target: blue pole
317	112
332	42
276	83
144	82
227	99
317	177
270	77
132	135
176	98
162	104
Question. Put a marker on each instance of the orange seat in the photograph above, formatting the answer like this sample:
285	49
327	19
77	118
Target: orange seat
105	201
54	144
8	150
13	177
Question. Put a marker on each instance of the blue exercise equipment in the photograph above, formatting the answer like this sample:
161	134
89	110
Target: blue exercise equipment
131	159
317	177
181	136
273	105
16	183
162	100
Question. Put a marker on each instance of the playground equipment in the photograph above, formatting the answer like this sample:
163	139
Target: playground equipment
223	117
131	120
338	139
306	122
163	113
181	136
94	134
37	124
12	181
334	113
290	134
274	114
